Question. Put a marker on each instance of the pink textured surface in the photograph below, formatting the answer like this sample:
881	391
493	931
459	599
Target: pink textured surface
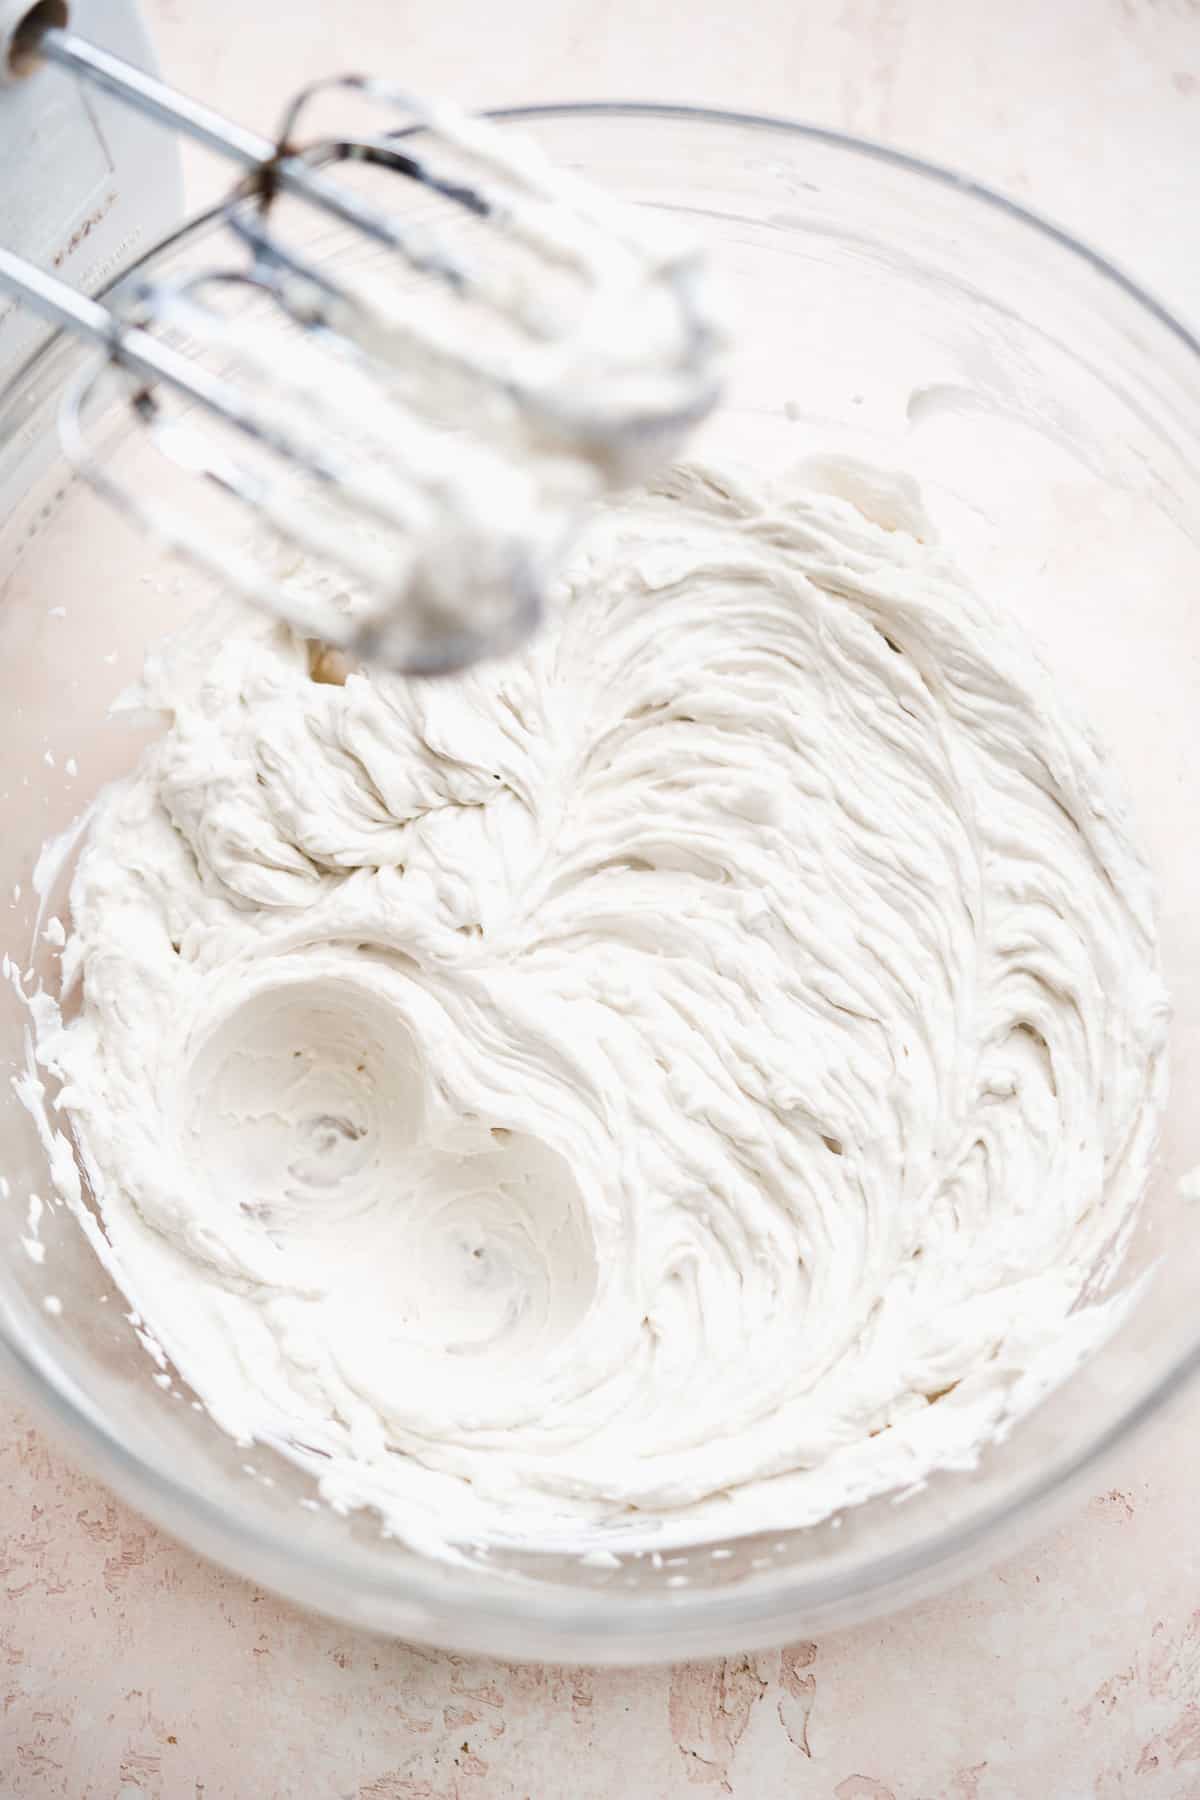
130	1669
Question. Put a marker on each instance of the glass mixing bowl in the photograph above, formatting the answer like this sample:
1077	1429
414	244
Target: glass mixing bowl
1051	412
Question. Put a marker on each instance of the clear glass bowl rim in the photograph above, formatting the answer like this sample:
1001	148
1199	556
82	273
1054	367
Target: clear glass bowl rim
750	1614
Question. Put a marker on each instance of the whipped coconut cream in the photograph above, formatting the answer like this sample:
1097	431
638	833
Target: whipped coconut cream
707	1065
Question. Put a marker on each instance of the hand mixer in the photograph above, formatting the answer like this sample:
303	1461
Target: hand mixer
412	440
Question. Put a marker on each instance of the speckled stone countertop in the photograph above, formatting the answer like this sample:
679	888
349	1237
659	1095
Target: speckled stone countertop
131	1670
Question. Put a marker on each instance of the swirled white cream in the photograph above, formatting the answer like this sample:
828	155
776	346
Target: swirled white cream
699	1067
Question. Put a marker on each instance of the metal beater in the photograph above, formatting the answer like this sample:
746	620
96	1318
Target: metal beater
413	440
